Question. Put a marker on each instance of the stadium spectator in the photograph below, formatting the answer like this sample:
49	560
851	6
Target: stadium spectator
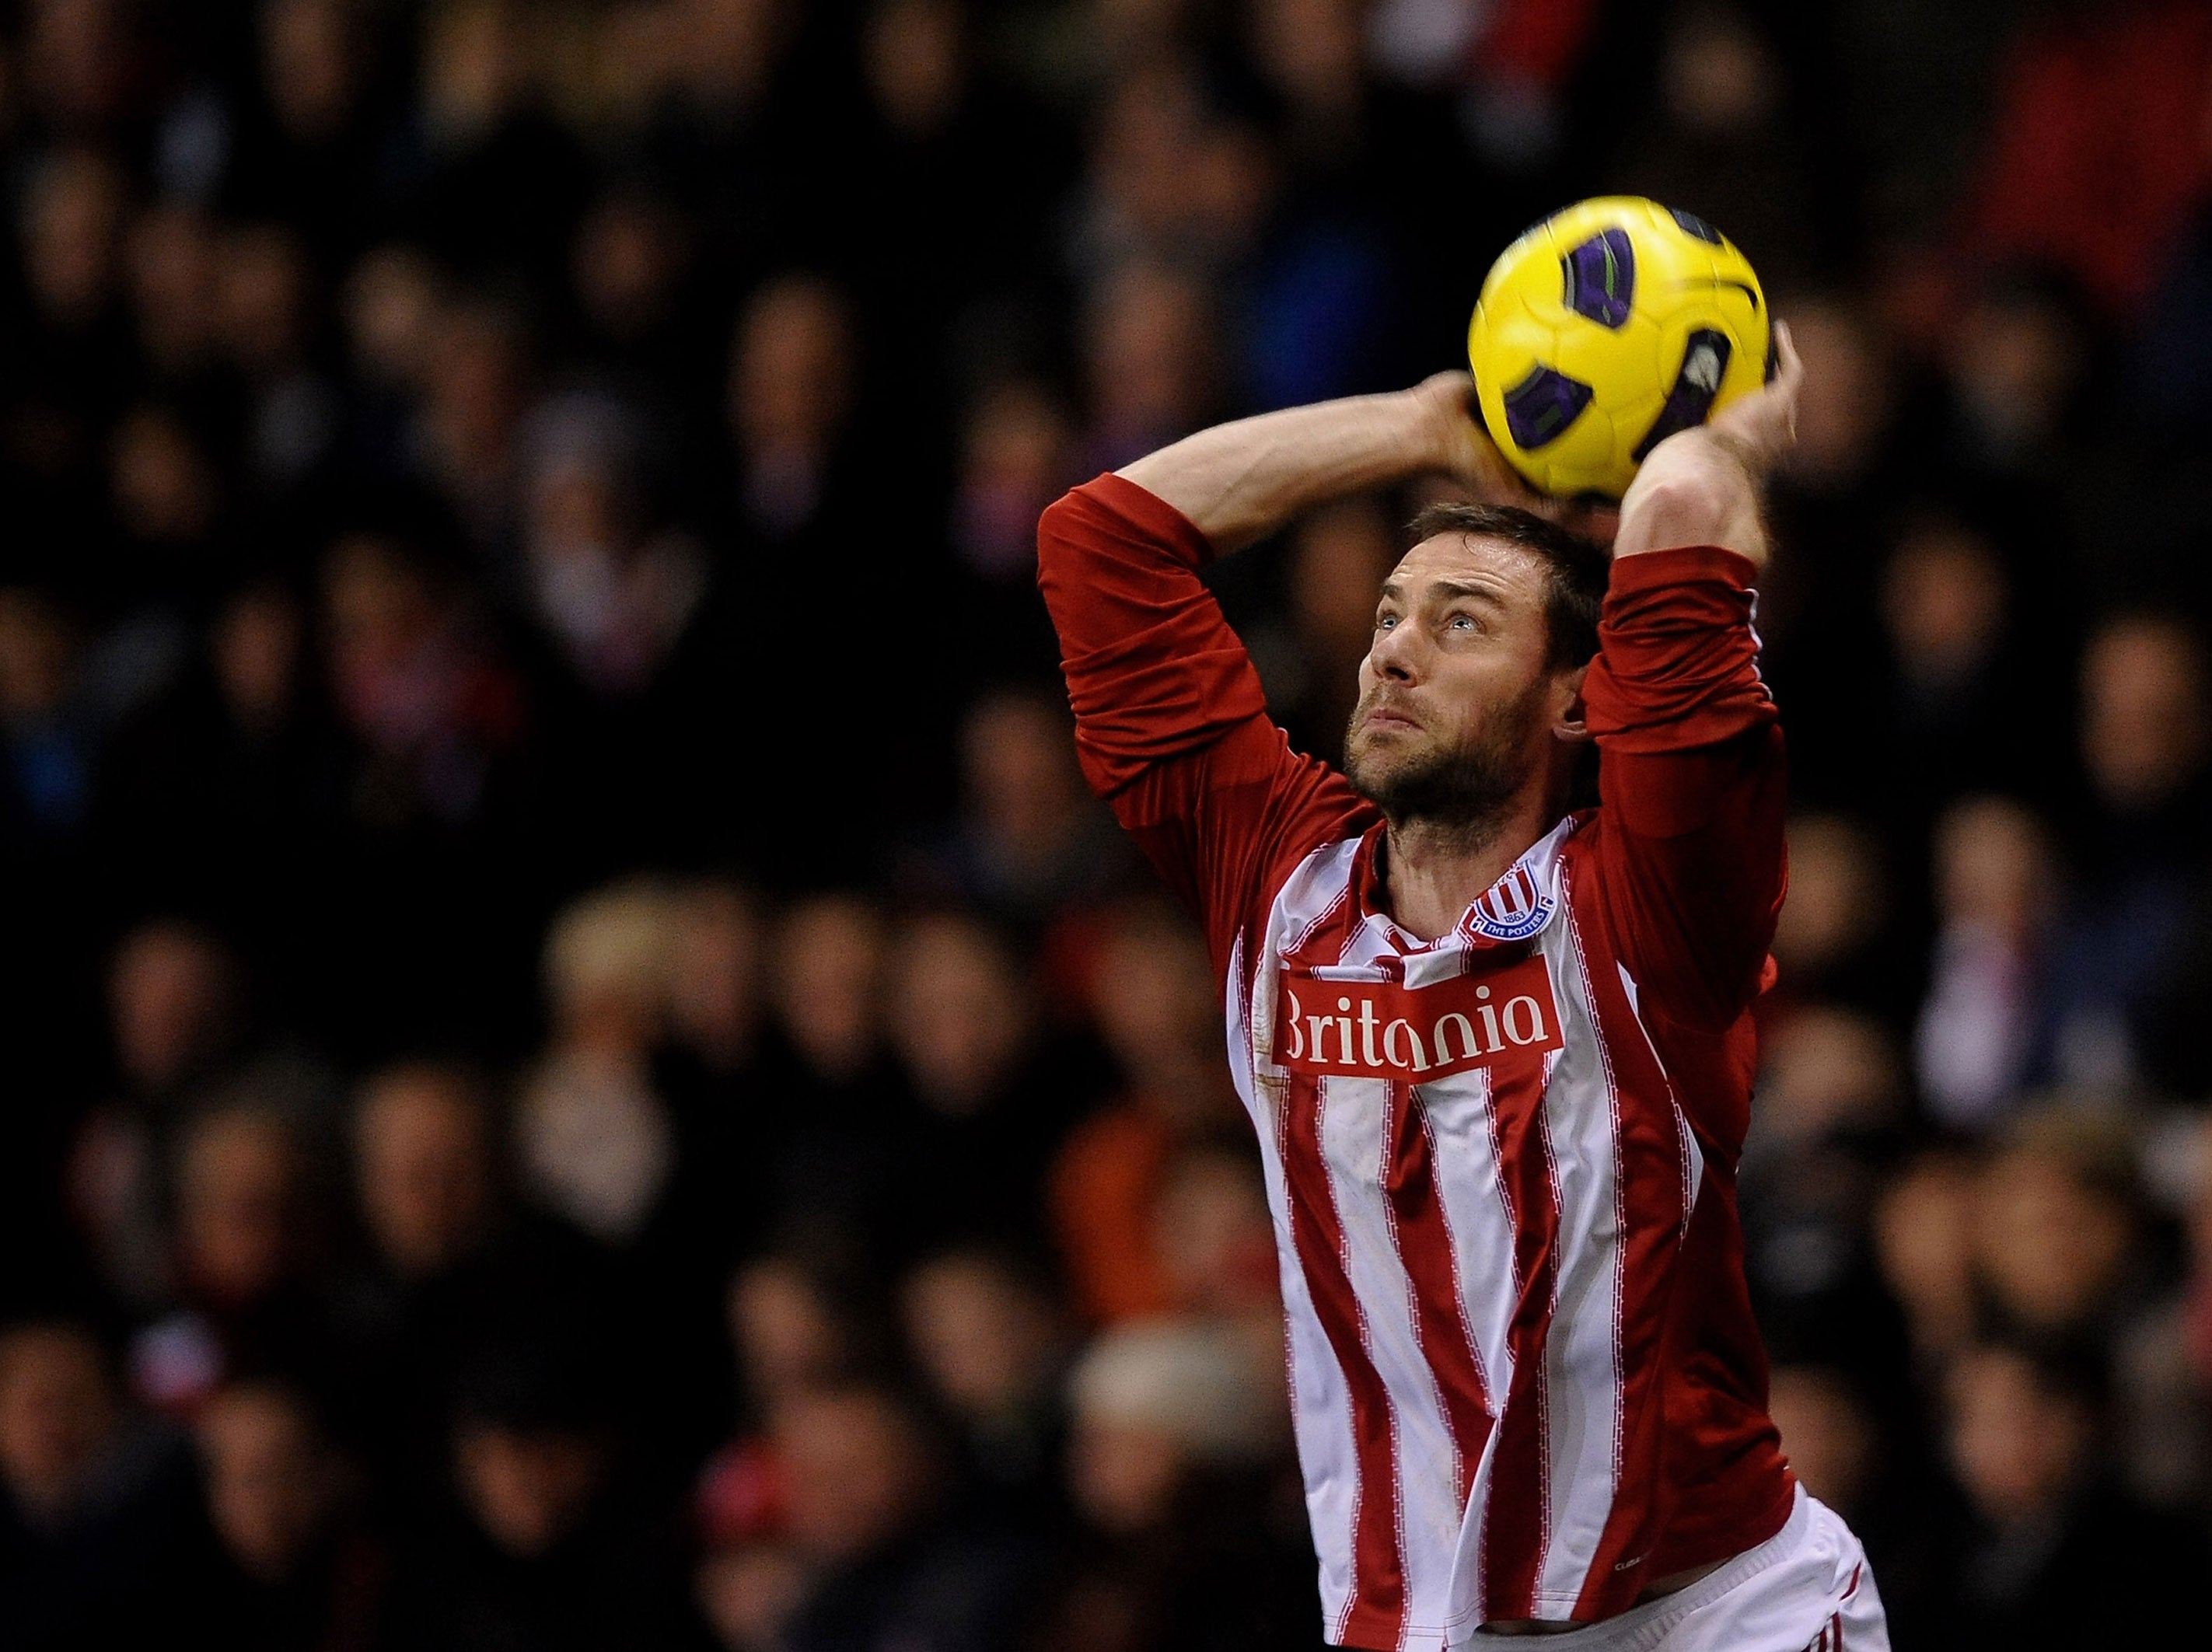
296	1573
173	1000
1723	144
2057	1225
1175	1429
428	1185
615	599
1947	602
423	1158
987	1334
1828	939
865	1512
1873	1459
1029	845
1986	1017
2143	745
1832	1090
989	1106
1156	1019
244	1245
708	1067
595	1141
831	1124
793	380
748	1587
2025	1439
549	1547
174	1007
797	1322
1210	1231
2078	176
1832	1437
1924	1240
1150	355
95	1537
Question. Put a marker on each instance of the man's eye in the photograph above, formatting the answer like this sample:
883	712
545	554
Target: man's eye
1386	622
1462	622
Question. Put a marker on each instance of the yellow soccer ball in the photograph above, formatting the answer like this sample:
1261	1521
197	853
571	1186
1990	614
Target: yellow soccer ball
1606	328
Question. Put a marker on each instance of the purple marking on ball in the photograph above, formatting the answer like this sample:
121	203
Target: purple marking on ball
1705	360
1691	224
1542	405
1601	278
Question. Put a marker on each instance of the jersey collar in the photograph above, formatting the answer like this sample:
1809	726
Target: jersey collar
1515	909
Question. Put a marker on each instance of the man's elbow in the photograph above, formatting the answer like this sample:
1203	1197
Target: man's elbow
1052	525
1056	530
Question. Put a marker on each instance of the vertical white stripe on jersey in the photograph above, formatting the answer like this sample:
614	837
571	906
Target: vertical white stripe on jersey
1321	1404
1582	1354
1355	1149
1480	1224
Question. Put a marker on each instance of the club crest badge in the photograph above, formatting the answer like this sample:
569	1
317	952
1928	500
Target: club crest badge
1511	909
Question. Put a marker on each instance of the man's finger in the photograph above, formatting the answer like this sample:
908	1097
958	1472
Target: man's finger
1793	365
1767	417
1791	379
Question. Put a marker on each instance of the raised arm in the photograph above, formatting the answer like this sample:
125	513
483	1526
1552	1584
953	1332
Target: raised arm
1239	482
1171	722
1691	767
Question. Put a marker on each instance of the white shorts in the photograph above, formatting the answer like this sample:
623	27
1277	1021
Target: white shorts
1808	1589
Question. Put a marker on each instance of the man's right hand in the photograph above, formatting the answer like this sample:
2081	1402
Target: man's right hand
1462	449
1239	482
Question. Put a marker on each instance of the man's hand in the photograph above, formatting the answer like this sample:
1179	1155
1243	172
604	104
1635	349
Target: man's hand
1462	449
1702	487
1239	482
1764	423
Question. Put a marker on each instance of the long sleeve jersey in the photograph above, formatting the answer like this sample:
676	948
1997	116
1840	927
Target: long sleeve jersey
1500	1164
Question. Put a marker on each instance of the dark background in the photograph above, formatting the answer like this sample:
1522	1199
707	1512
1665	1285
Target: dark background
577	1068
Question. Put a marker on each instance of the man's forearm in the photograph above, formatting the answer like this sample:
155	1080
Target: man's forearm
1240	483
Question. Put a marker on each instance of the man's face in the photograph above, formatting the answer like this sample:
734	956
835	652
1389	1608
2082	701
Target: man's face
1458	709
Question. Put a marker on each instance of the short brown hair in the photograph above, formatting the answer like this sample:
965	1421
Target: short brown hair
1579	568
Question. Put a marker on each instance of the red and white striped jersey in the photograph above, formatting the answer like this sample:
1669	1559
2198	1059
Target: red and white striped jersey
1501	1164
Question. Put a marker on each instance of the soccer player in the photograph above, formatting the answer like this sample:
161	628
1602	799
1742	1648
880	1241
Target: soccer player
1497	1048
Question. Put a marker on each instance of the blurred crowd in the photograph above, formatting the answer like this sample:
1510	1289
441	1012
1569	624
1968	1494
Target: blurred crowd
581	1070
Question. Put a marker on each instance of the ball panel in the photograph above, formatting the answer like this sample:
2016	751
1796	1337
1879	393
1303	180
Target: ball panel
1693	225
1748	340
1534	248
1690	402
1599	277
1539	408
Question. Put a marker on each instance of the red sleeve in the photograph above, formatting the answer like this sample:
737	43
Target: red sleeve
1691	775
1171	723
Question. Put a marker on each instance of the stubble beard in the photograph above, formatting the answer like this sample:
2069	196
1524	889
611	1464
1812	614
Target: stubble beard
1460	790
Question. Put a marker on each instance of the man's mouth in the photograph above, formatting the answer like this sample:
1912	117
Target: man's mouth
1390	717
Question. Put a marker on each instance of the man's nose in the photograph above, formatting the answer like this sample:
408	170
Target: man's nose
1392	654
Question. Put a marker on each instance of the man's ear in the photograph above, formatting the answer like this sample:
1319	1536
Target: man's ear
1567	716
